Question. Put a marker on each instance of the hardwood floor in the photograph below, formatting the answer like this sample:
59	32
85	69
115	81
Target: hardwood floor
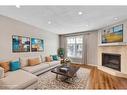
102	80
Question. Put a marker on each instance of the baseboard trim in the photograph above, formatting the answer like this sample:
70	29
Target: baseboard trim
92	65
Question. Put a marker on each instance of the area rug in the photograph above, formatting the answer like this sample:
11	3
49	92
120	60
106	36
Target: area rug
48	81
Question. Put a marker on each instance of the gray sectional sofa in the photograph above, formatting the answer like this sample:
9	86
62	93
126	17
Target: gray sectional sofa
26	77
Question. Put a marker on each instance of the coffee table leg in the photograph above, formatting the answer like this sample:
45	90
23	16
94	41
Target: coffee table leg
67	79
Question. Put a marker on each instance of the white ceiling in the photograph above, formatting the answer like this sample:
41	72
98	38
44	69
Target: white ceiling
65	19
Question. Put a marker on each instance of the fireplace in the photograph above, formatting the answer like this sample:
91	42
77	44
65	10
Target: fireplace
111	60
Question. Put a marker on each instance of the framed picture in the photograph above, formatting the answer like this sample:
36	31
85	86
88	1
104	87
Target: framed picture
20	44
112	35
37	45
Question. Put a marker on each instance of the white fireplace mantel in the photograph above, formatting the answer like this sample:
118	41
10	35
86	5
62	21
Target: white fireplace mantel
113	44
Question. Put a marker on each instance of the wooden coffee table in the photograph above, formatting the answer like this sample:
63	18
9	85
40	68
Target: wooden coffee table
69	75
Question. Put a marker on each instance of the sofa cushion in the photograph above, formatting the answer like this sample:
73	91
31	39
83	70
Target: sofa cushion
5	66
18	79
53	63
36	68
42	59
24	61
1	72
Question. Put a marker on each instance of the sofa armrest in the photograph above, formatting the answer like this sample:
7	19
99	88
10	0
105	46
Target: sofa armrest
1	72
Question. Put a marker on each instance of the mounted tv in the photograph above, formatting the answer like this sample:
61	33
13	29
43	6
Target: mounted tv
20	44
37	45
112	35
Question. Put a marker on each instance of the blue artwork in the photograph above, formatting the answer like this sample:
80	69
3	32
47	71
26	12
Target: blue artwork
20	44
37	45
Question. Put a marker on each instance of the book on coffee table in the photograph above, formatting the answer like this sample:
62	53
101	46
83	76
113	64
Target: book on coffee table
64	69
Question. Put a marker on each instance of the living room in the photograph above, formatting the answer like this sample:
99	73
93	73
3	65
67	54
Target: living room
63	47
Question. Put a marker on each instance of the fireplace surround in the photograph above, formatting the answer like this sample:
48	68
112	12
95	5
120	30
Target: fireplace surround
111	61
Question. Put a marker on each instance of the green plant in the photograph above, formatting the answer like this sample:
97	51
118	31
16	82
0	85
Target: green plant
61	52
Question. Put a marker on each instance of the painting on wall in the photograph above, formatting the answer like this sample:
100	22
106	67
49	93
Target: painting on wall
37	45
20	44
112	35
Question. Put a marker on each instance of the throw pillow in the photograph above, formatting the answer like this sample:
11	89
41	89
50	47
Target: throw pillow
5	66
48	59
55	57
15	65
34	61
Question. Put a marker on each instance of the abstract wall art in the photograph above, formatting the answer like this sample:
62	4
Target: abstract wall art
20	44
37	45
112	35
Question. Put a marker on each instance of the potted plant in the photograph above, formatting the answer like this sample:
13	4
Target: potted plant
61	53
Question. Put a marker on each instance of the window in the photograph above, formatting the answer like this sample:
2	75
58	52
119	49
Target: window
74	46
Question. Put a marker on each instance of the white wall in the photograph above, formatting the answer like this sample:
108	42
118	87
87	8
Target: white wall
92	48
9	27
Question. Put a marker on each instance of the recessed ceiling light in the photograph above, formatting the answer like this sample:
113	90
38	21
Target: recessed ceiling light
18	6
87	25
115	18
49	22
80	13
